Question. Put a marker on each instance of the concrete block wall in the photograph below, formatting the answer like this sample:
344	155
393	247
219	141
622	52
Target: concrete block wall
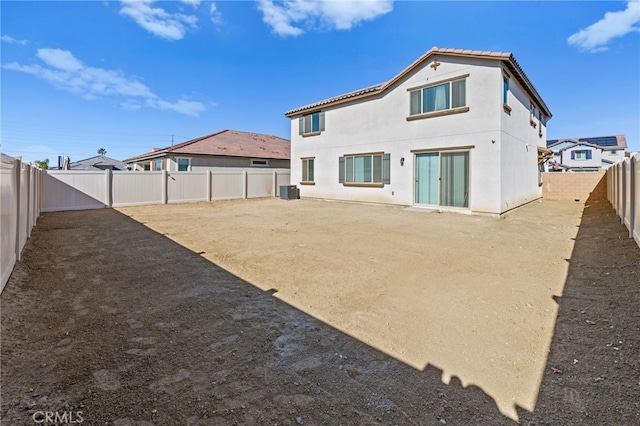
574	186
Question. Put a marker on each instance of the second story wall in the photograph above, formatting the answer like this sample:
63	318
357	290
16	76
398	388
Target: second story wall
523	131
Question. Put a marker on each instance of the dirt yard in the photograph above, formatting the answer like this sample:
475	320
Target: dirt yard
312	312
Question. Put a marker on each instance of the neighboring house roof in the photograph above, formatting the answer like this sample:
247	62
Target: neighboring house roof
506	58
230	143
606	143
573	145
98	162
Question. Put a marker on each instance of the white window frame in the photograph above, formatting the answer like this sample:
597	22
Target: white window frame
178	163
580	151
156	164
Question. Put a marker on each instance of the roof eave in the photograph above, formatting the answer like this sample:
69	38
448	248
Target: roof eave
524	81
506	58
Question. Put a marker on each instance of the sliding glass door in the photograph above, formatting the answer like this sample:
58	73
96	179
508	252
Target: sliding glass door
442	178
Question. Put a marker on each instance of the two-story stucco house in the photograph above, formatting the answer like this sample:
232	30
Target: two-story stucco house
456	129
586	154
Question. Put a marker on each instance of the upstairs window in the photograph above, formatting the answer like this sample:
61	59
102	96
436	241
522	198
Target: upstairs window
505	90
158	164
532	115
440	97
311	124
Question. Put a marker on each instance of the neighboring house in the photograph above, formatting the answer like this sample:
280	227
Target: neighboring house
228	148
586	154
456	129
99	162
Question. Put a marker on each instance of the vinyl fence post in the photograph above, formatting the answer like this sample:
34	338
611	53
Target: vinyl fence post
209	174
633	164
245	181
623	206
275	183
617	205
17	166
27	181
108	188
164	187
40	183
34	191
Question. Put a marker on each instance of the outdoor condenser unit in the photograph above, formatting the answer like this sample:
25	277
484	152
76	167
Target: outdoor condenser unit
289	192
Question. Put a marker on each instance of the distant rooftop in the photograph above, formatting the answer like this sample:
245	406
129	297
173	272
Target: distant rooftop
231	143
604	142
100	162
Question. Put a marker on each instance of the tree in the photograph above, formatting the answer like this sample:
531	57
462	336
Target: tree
102	152
44	164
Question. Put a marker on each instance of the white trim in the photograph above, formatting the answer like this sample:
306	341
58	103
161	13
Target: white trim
177	161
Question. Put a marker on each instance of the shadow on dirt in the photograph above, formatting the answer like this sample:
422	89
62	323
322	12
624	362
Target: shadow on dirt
593	369
110	321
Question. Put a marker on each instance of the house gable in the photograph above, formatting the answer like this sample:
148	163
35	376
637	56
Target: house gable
431	57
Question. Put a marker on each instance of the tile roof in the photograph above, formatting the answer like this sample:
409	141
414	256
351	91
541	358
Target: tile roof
604	142
507	58
230	143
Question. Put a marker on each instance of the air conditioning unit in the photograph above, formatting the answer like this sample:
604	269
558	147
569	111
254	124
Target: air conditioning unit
289	192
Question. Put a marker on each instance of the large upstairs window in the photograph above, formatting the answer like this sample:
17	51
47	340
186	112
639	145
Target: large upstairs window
438	97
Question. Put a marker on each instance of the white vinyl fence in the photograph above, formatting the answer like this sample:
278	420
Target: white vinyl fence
20	206
623	192
79	190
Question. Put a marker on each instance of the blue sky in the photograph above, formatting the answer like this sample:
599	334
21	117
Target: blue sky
133	75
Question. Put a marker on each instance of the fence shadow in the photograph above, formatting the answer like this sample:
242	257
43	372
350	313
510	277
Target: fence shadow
593	368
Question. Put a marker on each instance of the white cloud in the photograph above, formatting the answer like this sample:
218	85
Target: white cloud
194	3
157	21
216	17
12	40
65	71
61	59
595	37
287	17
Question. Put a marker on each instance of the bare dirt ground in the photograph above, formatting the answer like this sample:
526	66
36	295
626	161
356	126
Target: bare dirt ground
312	312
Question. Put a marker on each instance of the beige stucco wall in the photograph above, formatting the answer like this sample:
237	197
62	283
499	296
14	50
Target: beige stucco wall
204	162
